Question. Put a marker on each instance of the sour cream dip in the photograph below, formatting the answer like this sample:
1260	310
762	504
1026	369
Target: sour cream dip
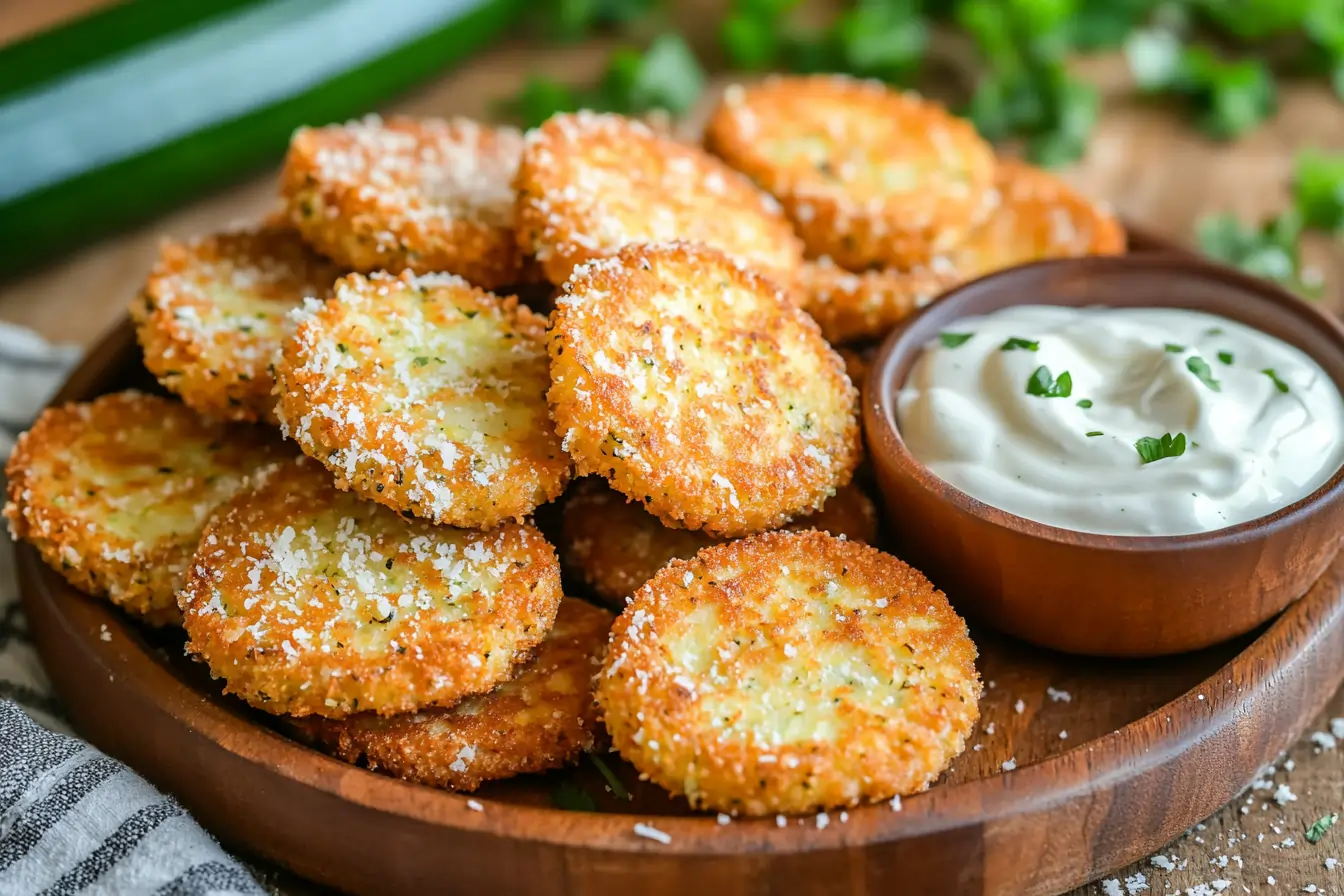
1122	421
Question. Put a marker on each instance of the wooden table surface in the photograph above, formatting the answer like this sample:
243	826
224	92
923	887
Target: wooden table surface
1144	160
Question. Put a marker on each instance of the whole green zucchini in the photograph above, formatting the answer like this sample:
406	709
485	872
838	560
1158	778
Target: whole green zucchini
116	117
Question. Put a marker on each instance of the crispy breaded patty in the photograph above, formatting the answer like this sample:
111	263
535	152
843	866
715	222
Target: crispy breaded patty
543	718
849	306
114	493
615	546
212	315
699	390
307	600
423	194
592	183
427	395
789	672
870	176
1039	216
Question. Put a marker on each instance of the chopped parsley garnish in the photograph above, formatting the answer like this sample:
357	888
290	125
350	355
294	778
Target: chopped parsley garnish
952	340
1320	826
1042	384
1200	368
571	797
1174	348
1151	449
617	788
340	347
1225	357
1095	432
1085	403
1214	331
1015	342
1274	377
421	361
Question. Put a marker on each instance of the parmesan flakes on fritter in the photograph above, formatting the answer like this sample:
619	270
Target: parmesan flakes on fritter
699	390
419	194
541	719
427	395
307	600
212	316
870	176
114	493
789	673
590	184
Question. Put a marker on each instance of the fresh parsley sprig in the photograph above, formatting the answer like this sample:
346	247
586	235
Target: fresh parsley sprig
1043	385
1151	449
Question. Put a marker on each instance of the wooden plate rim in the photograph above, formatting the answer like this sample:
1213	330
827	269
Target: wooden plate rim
1102	763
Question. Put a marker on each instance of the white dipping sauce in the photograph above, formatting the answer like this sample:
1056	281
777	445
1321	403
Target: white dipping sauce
1243	442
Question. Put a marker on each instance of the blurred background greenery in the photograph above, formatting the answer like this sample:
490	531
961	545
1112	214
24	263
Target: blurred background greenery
1012	66
1006	65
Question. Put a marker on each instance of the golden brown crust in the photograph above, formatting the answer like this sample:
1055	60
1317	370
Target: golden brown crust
865	306
307	600
591	183
614	546
869	176
212	315
1038	216
543	718
427	395
114	493
789	672
698	389
419	194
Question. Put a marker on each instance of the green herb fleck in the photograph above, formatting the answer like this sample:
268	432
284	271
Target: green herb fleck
1320	826
1278	383
1095	432
340	347
1151	449
1174	348
1042	384
952	340
1318	186
571	797
421	361
1085	403
1200	368
1015	342
617	788
1214	331
1225	357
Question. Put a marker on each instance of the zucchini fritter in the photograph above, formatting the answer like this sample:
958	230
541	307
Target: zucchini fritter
869	176
427	395
539	720
1039	216
212	316
699	390
419	194
591	183
789	672
851	307
615	546
114	493
307	600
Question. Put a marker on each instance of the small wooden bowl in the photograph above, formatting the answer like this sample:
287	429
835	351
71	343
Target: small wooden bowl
1105	595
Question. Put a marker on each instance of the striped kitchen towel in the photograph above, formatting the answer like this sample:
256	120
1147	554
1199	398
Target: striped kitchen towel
71	819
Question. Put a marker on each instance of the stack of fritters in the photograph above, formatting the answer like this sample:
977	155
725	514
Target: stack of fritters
345	530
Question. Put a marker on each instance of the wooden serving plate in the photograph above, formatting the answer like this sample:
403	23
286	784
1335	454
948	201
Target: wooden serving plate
1113	759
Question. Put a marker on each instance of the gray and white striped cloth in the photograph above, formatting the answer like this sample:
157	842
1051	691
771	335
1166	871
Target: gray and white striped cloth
73	820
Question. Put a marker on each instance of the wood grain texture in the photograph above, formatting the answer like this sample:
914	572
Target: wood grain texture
1105	762
1101	594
